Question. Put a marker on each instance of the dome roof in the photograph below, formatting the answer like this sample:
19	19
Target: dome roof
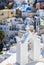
27	19
24	3
28	8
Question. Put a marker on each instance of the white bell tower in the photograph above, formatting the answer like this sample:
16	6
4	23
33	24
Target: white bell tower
28	49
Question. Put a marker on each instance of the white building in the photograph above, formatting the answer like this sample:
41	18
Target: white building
6	26
28	49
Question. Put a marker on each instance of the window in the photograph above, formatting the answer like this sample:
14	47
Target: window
29	46
4	28
15	20
2	14
1	28
11	12
10	28
10	20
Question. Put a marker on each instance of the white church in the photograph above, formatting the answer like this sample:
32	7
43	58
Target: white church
29	49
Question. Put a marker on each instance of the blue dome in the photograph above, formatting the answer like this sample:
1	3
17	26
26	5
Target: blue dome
40	1
24	3
28	8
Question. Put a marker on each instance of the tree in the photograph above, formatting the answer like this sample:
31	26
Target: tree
2	35
34	5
